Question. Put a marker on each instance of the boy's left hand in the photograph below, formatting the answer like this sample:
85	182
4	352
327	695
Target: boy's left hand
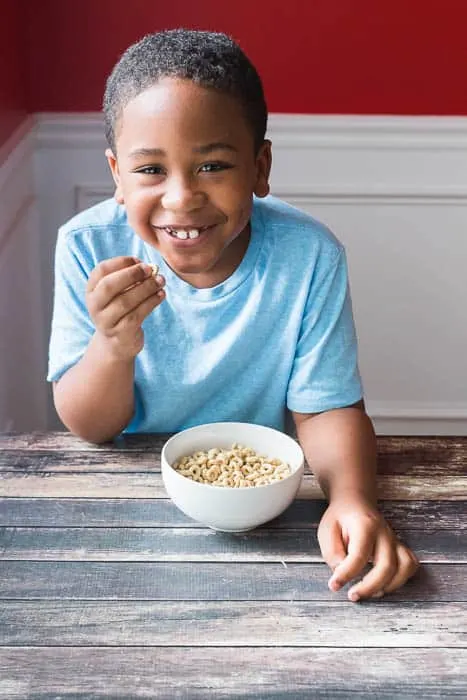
353	533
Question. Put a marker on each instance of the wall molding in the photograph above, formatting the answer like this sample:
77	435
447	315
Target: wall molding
15	141
89	193
396	196
290	131
16	180
346	170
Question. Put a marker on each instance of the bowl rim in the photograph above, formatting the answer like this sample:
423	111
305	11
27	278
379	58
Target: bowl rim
276	484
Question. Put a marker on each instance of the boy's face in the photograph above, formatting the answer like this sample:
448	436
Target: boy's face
186	171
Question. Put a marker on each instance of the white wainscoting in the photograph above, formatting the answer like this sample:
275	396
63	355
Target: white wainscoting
23	391
393	189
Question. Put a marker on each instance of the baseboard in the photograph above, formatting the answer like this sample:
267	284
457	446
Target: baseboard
390	418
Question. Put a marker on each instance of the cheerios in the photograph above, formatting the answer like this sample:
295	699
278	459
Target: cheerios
239	467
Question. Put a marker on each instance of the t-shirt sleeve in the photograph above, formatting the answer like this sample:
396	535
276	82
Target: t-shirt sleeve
72	328
325	371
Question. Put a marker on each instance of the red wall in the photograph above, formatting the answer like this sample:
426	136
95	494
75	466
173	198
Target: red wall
324	56
315	56
13	56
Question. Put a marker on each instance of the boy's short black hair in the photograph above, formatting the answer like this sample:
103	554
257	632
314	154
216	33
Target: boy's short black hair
210	59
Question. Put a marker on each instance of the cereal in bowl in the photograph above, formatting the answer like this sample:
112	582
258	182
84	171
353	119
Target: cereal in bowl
237	467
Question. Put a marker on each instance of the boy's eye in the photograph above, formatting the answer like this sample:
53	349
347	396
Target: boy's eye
215	167
150	170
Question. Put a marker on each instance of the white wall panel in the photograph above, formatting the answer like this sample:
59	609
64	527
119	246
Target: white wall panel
23	391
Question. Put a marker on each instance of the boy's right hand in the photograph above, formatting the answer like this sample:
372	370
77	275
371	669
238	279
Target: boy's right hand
120	293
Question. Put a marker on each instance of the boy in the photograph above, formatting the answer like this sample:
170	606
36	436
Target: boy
251	313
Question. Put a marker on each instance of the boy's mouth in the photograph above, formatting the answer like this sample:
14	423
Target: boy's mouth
183	233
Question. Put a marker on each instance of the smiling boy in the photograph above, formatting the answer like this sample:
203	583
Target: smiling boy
250	315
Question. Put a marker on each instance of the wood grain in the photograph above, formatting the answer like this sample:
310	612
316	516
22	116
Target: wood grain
144	512
413	462
206	581
225	673
426	450
237	623
198	545
149	485
67	441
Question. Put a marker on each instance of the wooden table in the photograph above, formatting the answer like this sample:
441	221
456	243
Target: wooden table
108	591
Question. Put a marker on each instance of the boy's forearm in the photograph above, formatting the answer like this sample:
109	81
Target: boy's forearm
95	397
340	447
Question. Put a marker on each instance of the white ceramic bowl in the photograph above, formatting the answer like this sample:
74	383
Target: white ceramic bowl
232	509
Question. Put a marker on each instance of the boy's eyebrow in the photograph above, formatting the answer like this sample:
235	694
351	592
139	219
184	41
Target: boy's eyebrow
216	146
202	150
145	152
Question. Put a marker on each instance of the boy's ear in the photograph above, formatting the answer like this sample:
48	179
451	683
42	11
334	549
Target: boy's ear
263	169
113	165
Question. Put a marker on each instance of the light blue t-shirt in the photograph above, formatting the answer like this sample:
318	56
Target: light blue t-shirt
277	334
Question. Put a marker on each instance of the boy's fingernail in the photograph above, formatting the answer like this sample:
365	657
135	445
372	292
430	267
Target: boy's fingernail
334	584
147	269
379	594
353	596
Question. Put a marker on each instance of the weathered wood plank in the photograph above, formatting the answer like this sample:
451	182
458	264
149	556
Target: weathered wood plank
410	462
76	512
80	512
79	462
207	581
67	441
228	673
418	455
243	623
149	485
203	545
414	449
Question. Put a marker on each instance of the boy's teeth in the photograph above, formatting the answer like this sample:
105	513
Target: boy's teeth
183	235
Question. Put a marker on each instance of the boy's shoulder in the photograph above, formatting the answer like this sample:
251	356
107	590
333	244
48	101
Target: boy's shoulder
107	214
294	226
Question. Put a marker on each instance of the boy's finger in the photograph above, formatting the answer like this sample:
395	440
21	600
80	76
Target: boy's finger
331	544
116	283
385	564
360	549
137	316
407	567
106	267
127	302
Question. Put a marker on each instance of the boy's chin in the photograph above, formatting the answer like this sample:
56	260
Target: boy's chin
198	275
189	270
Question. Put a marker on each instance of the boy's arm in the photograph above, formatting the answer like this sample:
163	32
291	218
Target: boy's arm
340	447
95	397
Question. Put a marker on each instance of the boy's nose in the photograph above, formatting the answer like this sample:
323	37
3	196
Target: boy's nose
181	195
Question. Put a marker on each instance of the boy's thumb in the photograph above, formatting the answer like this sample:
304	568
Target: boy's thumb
331	544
